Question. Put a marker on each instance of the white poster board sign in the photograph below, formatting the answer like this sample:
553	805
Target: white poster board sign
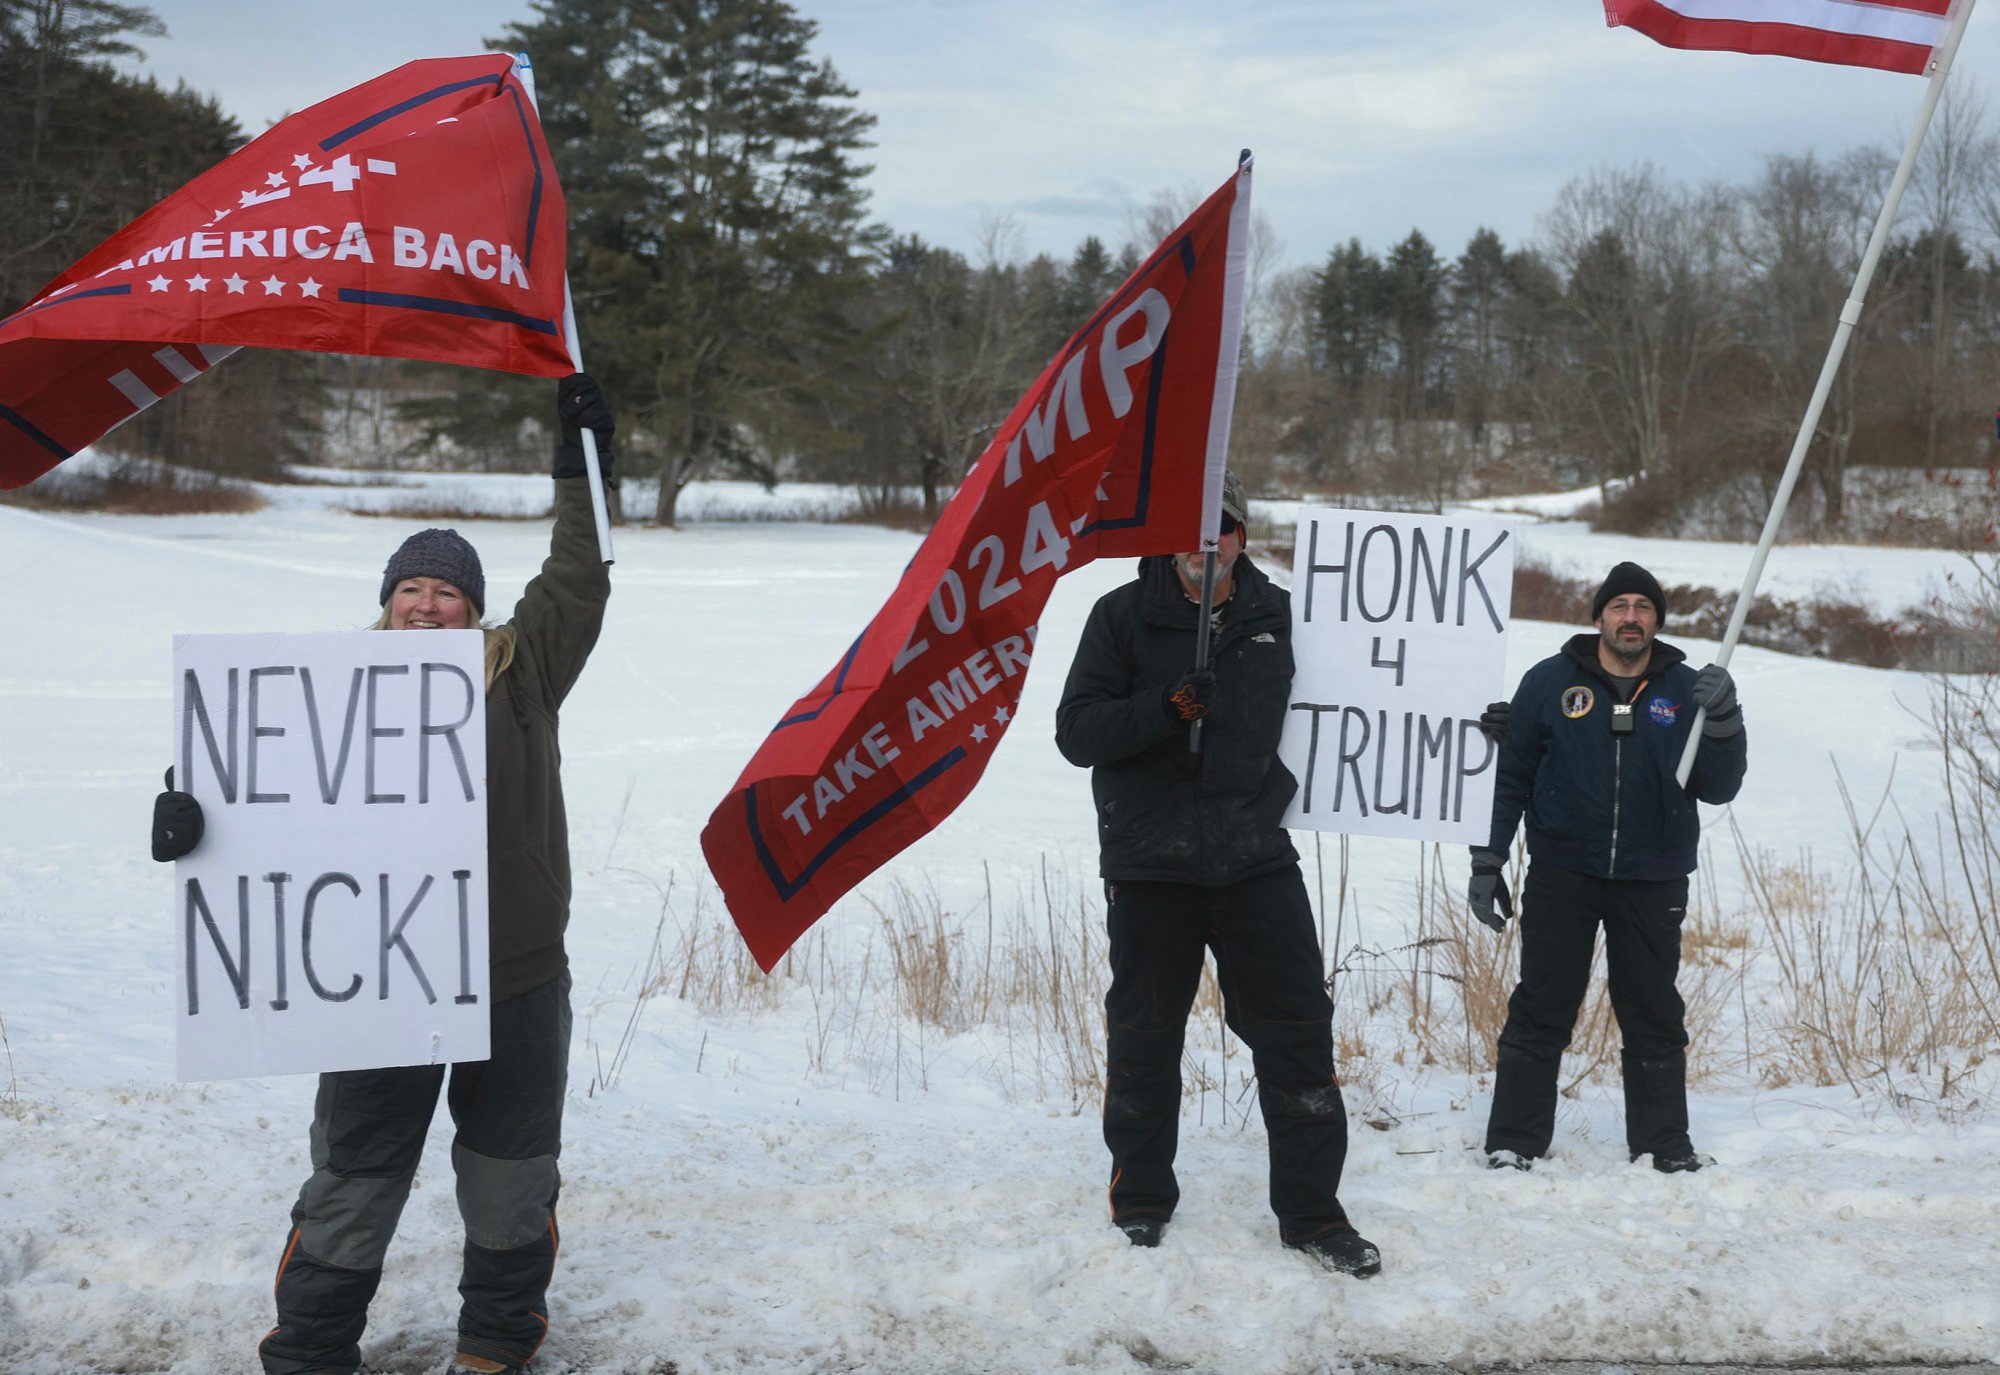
1399	632
334	914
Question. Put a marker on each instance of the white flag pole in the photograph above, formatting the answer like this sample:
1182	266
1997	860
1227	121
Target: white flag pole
1850	315
1222	409
591	467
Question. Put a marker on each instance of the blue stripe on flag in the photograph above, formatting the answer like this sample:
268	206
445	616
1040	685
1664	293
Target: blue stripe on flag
20	422
441	306
846	662
1153	383
355	130
789	888
535	199
125	290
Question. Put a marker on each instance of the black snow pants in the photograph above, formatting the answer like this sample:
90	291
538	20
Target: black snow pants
1267	961
1560	913
367	1136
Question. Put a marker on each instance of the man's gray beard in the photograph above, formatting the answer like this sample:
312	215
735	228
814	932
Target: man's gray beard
1632	658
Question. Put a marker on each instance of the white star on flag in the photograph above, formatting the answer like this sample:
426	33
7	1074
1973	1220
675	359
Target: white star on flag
979	732
159	283
272	286
197	283
308	287
1000	715
302	161
275	179
235	284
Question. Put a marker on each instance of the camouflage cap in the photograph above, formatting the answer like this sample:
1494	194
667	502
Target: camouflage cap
1235	502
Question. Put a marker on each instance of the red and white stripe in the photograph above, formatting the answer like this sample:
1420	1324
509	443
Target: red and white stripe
1893	35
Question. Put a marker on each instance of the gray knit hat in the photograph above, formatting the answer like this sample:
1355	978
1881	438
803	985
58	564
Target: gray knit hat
437	554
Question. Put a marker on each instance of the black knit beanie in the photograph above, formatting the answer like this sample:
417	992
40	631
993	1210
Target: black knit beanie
437	554
1630	577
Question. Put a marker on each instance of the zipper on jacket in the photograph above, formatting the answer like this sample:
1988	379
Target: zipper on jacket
1617	786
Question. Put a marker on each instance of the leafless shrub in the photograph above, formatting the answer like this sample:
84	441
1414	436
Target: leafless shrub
437	507
137	487
10	1103
1890	980
711	967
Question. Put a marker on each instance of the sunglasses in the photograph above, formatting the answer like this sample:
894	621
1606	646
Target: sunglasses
1230	525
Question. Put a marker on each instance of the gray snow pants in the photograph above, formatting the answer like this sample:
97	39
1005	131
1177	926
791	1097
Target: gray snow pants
367	1137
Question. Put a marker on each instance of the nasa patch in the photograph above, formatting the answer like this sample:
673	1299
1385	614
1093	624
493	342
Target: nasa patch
1577	702
1664	713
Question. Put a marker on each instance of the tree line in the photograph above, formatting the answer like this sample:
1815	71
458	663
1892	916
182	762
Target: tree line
752	320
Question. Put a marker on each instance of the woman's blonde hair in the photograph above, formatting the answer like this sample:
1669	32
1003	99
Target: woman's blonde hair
499	641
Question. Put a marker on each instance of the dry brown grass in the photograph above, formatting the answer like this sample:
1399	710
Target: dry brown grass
1891	979
1457	1021
1887	981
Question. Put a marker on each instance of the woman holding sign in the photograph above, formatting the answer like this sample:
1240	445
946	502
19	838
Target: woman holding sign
369	1125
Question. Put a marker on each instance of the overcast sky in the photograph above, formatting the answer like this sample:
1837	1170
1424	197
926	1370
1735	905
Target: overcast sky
1368	117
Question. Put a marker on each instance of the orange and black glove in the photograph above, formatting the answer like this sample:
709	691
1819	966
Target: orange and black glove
1189	700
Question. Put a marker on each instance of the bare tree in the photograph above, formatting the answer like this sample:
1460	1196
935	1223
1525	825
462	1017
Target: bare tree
1645	263
1800	238
1953	178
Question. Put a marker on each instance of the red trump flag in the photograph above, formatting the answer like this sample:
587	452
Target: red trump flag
1117	450
1894	35
415	216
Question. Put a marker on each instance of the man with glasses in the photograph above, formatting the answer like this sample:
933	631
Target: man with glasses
1590	762
1195	857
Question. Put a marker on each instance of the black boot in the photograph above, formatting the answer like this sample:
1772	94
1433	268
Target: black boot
1342	1250
1656	1112
1143	1229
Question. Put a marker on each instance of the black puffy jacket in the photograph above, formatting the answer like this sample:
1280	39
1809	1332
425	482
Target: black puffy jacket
1599	803
1162	812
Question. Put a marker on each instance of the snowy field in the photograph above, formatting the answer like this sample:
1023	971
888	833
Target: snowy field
743	1200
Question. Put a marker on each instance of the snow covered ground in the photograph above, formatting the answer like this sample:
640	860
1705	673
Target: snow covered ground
741	1200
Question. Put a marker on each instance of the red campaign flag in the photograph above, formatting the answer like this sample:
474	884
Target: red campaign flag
415	216
1894	35
1116	451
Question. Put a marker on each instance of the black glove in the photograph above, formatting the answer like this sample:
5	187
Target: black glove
1188	700
1493	721
580	406
1489	882
177	823
1715	692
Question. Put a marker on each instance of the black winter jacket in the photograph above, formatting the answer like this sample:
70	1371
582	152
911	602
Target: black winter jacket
1599	803
1164	813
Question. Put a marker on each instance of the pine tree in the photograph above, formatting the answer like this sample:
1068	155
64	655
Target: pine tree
716	219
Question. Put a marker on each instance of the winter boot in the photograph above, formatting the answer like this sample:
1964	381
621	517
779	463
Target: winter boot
466	1364
1509	1160
1142	1230
1342	1250
1680	1162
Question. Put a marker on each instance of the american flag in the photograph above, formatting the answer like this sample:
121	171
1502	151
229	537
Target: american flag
1893	35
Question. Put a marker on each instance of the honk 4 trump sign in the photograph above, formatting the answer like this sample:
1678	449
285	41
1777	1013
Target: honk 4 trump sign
334	914
1399	632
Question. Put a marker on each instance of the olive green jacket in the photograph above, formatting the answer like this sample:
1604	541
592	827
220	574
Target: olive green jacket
555	626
